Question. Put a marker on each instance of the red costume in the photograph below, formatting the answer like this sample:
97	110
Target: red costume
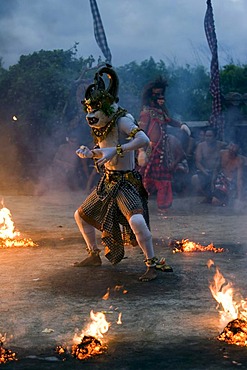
157	173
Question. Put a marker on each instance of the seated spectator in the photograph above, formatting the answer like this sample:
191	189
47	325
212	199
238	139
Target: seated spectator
207	159
180	167
195	139
229	181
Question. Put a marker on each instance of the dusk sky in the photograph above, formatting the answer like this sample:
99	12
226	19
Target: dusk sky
168	30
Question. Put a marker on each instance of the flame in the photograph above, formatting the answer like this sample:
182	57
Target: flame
210	263
223	293
87	344
117	288
232	309
96	328
185	245
9	237
106	295
6	355
119	321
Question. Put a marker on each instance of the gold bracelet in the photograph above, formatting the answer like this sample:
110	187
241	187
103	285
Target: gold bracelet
119	150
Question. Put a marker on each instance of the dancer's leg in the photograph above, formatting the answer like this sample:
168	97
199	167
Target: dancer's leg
89	235
144	239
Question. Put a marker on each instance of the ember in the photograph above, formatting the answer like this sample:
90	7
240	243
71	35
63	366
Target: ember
235	332
231	307
88	347
185	245
9	237
6	355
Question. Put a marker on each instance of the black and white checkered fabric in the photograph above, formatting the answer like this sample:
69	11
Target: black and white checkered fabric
112	204
216	119
99	32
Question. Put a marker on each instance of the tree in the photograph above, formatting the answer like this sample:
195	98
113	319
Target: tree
41	90
36	89
35	92
234	78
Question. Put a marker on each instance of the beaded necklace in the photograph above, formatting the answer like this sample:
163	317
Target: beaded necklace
99	134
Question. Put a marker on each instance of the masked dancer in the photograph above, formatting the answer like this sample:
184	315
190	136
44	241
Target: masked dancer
118	205
158	162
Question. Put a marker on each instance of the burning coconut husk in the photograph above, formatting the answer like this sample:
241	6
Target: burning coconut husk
89	342
87	348
235	332
232	308
9	237
187	246
6	355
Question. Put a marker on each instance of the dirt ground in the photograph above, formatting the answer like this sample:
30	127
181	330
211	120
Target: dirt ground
170	323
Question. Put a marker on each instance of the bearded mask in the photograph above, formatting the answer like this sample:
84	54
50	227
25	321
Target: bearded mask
100	103
154	92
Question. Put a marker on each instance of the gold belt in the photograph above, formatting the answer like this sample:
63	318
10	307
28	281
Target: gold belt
116	176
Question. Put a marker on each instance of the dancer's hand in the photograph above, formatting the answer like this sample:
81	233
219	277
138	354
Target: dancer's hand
104	155
84	152
142	158
185	128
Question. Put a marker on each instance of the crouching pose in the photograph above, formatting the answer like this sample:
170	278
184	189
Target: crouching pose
118	205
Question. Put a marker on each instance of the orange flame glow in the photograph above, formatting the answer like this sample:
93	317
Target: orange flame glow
106	295
88	343
231	305
119	321
185	245
9	237
96	328
6	355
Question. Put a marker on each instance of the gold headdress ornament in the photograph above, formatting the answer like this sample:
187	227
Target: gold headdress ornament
97	96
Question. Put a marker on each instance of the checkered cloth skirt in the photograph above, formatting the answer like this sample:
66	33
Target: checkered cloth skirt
118	196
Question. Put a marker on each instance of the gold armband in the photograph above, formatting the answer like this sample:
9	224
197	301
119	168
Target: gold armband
133	133
119	150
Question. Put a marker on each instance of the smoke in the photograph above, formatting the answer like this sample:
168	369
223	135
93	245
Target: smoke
10	169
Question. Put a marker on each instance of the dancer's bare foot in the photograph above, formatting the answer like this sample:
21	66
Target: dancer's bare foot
92	260
149	275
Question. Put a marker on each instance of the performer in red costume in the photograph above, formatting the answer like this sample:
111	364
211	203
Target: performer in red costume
158	161
118	205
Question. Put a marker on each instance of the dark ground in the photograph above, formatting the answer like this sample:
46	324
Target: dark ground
170	323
